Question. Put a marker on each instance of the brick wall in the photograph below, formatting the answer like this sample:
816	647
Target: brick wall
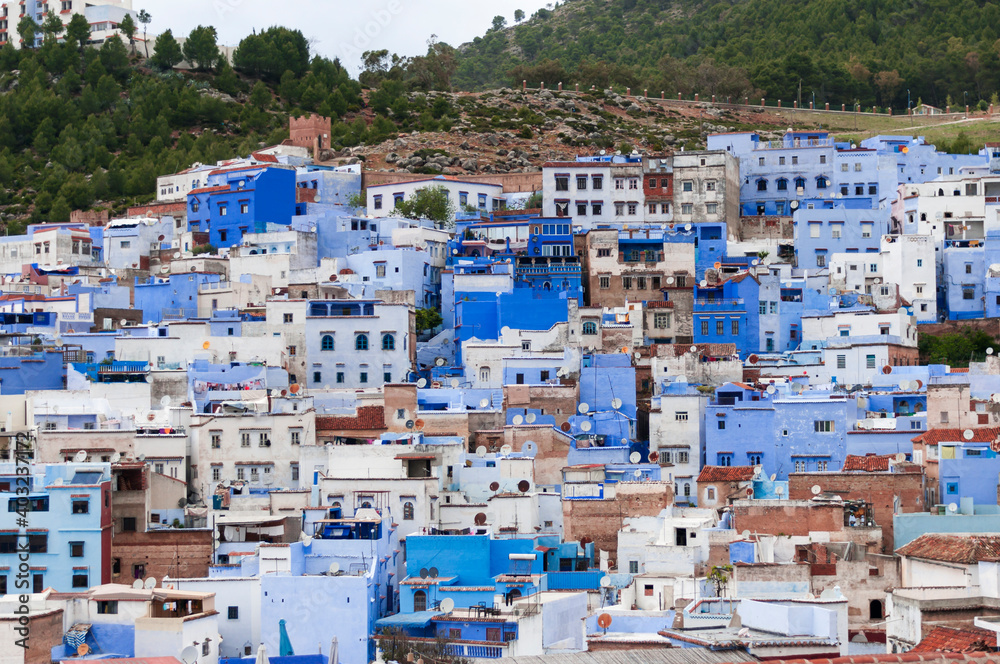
785	518
175	553
600	520
45	632
879	489
511	182
307	131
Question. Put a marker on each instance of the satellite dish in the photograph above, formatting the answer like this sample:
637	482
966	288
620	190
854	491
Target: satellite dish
798	387
616	403
518	420
165	400
334	568
565	426
422	383
494	486
116	457
82	650
506	449
703	283
635	457
693	349
189	655
447	605
654	456
419	424
484	403
779	490
137	584
433	572
816	489
604	620
150	583
771	389
80	457
900	457
530	418
423	573
206	345
480	519
687	227
523	486
586	426
583	408
481	451
670	280
773	475
952	507
141	458
968	434
989	351
682	379
745	534
605	581
409	424
454	382
440	361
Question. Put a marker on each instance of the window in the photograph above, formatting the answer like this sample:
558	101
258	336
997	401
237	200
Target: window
296	436
762	185
762	307
420	601
80	579
687	185
223	210
619	209
841	361
216	473
126	244
760	161
681	416
340	376
870	361
627	283
408	511
720	327
800	466
264	439
317	377
598	183
562	183
710	185
661	321
234	613
822	182
581	181
704	328
363	378
590	327
377	202
244	439
244	208
107	608
128	524
388	342
597	208
287	318
361	342
327	343
823	426
605	282
241	473
633	208
633	567
726	460
734	327
633	183
968	292
687	208
76	549
820	260
682	457
81	506
581	209
721	425
711	208
754	459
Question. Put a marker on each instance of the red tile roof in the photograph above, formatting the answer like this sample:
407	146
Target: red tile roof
368	418
870	463
260	156
950	639
208	190
979	435
961	549
726	474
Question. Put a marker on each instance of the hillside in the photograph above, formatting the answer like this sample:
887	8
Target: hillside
871	51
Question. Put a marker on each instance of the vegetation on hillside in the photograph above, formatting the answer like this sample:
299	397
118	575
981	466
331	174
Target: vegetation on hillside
956	349
869	51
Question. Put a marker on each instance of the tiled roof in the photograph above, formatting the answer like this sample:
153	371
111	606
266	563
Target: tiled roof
979	435
260	156
368	418
870	463
726	474
209	190
961	549
949	639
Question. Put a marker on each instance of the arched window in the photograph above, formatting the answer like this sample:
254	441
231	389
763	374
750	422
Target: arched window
366	505
918	407
407	511
361	342
875	610
940	192
327	342
822	182
800	183
419	601
762	185
590	327
512	595
388	342
782	184
484	374
687	488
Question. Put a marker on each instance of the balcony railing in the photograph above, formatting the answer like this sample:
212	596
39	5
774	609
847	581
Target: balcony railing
718	304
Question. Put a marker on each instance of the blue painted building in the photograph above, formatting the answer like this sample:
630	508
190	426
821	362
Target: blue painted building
31	371
820	233
242	200
68	513
481	315
173	298
968	469
964	279
728	313
916	160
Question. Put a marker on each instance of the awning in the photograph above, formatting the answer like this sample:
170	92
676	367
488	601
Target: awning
415	619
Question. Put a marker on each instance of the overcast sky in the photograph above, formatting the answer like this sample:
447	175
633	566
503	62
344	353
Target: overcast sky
339	28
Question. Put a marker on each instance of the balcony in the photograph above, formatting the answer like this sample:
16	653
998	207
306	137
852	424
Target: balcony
648	256
725	304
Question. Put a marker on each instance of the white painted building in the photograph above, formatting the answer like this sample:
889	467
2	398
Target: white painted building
128	241
482	196
908	261
676	433
673	543
594	192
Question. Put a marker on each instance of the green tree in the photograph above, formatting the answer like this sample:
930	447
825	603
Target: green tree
272	52
128	28
499	23
60	210
260	96
429	203
145	18
428	319
78	31
52	27
167	53
28	30
518	15
201	48
719	578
